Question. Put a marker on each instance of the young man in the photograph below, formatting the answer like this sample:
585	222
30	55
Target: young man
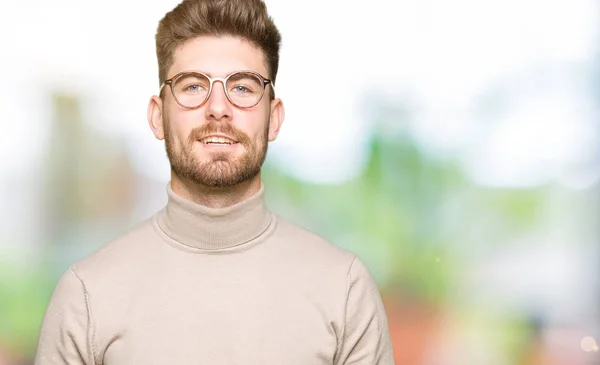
215	277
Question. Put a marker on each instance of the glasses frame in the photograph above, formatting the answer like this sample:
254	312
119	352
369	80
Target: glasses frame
212	80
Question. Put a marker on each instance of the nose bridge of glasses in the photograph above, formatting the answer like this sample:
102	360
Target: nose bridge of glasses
215	79
223	81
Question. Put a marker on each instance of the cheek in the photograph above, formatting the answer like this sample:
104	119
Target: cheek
180	126
257	126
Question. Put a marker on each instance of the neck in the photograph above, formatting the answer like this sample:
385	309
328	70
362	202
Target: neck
200	227
214	197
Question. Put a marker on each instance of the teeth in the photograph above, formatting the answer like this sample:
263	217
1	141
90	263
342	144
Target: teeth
222	140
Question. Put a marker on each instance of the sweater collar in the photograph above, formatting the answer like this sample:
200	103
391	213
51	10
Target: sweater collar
205	228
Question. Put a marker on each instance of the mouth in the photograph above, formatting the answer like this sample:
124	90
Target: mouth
218	141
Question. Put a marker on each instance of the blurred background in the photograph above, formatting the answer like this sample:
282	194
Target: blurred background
453	145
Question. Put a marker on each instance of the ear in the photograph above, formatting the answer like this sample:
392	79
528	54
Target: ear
277	116
155	117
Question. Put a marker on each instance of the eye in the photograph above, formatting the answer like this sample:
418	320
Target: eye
240	89
193	88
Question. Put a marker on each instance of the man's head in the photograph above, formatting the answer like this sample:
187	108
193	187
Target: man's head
216	143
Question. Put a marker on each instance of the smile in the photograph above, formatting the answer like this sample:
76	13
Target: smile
217	140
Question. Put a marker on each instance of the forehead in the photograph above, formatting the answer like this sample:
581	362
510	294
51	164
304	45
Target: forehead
218	56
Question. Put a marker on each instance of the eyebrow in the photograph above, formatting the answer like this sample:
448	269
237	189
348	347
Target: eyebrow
209	74
196	71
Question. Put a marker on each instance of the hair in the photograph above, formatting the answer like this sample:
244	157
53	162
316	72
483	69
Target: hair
247	19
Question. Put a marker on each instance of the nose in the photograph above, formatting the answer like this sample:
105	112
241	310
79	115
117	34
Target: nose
218	106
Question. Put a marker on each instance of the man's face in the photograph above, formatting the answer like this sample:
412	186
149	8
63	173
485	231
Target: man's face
193	154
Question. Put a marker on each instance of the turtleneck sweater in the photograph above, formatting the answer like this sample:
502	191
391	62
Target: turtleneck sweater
198	285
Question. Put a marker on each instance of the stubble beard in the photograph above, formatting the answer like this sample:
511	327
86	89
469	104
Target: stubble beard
220	169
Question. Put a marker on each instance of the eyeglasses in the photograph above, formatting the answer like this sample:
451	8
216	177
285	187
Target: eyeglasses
243	89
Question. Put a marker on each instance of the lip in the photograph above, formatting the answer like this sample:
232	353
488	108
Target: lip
219	136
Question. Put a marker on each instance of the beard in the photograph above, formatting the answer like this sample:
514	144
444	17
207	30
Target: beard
221	169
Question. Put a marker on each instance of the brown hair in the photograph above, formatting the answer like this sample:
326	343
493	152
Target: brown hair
247	19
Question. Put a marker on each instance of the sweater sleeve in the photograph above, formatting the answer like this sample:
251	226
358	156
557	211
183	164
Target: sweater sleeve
66	336
366	338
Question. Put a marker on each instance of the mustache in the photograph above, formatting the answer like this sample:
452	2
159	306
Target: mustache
218	128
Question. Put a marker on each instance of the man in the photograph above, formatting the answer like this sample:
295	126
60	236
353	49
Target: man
215	277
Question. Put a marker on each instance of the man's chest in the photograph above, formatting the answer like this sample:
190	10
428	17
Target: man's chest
260	328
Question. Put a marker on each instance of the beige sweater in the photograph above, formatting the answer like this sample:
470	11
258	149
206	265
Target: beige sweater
195	285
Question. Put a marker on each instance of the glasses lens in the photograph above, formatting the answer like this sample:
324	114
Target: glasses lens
191	89
245	89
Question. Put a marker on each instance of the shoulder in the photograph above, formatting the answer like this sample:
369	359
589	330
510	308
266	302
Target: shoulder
118	255
304	243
